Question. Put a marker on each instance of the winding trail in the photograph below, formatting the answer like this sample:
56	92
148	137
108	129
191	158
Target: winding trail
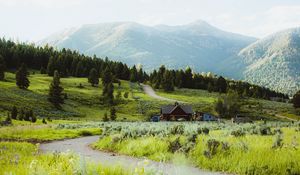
149	91
81	147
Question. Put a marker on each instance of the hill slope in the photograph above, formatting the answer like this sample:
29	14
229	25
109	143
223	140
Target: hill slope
198	44
274	61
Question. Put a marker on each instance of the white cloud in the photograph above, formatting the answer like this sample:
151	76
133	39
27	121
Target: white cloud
41	3
260	24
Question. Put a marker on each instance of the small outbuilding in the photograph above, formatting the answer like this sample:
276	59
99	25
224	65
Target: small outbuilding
176	112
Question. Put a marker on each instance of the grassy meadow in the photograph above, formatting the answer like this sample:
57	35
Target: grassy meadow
24	158
202	100
270	147
82	102
259	148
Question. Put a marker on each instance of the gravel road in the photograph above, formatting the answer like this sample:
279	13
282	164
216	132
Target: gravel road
149	91
80	146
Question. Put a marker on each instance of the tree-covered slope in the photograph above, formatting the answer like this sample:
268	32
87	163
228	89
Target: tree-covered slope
274	61
198	44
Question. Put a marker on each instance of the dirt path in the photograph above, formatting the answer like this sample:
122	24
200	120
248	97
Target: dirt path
149	91
284	117
80	146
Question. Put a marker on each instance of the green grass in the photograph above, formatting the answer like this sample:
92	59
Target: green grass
42	133
251	153
25	159
203	101
81	104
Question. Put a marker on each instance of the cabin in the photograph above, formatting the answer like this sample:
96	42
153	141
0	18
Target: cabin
200	116
176	112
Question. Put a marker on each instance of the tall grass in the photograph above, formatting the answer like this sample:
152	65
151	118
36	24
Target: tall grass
24	159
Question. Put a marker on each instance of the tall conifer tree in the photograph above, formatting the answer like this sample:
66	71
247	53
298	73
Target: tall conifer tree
55	91
22	80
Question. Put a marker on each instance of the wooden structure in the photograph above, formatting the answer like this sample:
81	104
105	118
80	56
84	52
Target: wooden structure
176	112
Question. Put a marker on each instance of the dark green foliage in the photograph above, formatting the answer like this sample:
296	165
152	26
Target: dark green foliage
221	85
22	80
238	132
174	145
2	68
296	100
56	96
125	94
278	141
43	70
229	105
14	113
51	66
85	133
21	115
93	77
177	129
119	96
8	120
44	121
133	74
212	148
28	115
105	118
188	79
33	118
108	87
113	115
167	82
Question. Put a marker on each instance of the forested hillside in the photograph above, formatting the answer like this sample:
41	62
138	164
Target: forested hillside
274	61
72	63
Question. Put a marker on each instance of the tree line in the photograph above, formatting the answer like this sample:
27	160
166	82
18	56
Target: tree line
167	79
65	61
72	63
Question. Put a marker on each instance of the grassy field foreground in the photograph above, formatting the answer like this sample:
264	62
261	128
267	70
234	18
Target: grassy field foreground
25	159
259	148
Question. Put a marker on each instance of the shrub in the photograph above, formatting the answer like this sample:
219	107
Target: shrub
126	95
44	121
85	133
238	133
174	145
177	129
265	130
14	113
192	138
278	141
205	131
212	147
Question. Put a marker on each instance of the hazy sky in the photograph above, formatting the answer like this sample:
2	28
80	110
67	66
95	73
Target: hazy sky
31	20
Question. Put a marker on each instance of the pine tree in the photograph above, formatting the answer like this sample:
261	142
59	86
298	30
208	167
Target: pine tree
188	78
113	115
108	87
14	113
93	77
221	85
296	100
2	68
133	74
167	82
22	80
56	96
51	66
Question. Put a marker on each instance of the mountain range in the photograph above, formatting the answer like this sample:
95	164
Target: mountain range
273	61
